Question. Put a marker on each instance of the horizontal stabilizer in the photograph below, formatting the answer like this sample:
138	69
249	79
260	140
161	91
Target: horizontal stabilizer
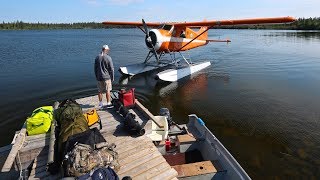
219	40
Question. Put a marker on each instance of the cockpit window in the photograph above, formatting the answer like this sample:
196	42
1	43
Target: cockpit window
166	27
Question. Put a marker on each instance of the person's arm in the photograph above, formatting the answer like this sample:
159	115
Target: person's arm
111	69
95	67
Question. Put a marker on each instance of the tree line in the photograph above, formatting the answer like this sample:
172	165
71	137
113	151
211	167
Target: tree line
300	24
20	25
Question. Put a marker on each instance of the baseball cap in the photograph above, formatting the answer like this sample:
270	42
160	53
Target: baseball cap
105	46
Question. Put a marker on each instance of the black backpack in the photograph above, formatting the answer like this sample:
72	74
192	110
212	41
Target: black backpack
105	173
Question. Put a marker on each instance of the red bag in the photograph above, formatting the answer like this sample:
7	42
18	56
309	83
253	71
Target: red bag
127	98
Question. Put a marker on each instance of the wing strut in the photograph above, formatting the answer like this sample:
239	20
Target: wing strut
195	38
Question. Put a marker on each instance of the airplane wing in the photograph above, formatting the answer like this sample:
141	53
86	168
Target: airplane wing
130	23
274	20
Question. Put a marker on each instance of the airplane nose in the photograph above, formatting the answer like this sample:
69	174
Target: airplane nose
151	40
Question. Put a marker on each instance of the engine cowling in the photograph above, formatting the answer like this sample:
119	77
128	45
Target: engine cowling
154	39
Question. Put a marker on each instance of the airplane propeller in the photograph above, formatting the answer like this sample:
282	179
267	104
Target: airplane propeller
146	30
149	39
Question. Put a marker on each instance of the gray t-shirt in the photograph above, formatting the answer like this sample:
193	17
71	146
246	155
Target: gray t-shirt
103	67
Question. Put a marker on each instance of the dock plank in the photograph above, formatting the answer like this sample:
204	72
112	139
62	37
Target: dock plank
14	150
145	168
137	162
129	141
153	171
169	174
137	155
132	149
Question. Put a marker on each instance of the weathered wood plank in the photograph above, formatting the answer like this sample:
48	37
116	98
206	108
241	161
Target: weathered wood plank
137	155
127	146
105	116
186	138
194	169
15	148
27	158
111	119
154	170
39	136
114	139
147	113
131	140
32	154
145	167
35	145
111	128
132	149
111	125
138	162
169	174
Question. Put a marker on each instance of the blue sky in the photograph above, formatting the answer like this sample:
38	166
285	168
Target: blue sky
67	11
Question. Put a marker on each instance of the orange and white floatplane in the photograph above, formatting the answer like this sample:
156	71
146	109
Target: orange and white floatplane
172	38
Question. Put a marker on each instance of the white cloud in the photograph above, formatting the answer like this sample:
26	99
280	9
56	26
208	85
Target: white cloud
112	2
124	2
93	2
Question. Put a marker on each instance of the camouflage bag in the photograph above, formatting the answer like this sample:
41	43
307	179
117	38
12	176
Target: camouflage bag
83	158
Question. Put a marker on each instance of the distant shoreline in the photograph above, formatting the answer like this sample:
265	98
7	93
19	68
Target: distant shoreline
300	24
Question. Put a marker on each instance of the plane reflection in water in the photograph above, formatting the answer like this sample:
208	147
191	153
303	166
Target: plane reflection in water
194	83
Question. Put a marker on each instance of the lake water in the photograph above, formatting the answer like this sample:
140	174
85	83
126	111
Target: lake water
260	97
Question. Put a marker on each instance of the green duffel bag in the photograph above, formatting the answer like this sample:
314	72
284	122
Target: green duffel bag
70	119
40	120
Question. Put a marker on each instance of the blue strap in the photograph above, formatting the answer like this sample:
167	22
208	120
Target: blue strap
201	122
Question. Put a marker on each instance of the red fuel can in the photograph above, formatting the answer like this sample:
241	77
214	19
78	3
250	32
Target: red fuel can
127	98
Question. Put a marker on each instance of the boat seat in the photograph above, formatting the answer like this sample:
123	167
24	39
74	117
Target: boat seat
159	133
185	138
194	169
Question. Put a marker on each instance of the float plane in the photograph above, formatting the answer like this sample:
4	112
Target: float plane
175	37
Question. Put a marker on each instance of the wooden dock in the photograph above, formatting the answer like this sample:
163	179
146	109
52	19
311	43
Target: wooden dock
138	156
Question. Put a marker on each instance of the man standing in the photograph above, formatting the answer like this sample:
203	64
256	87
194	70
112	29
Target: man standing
104	71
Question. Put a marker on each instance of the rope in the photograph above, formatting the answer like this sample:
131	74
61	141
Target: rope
20	165
20	168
